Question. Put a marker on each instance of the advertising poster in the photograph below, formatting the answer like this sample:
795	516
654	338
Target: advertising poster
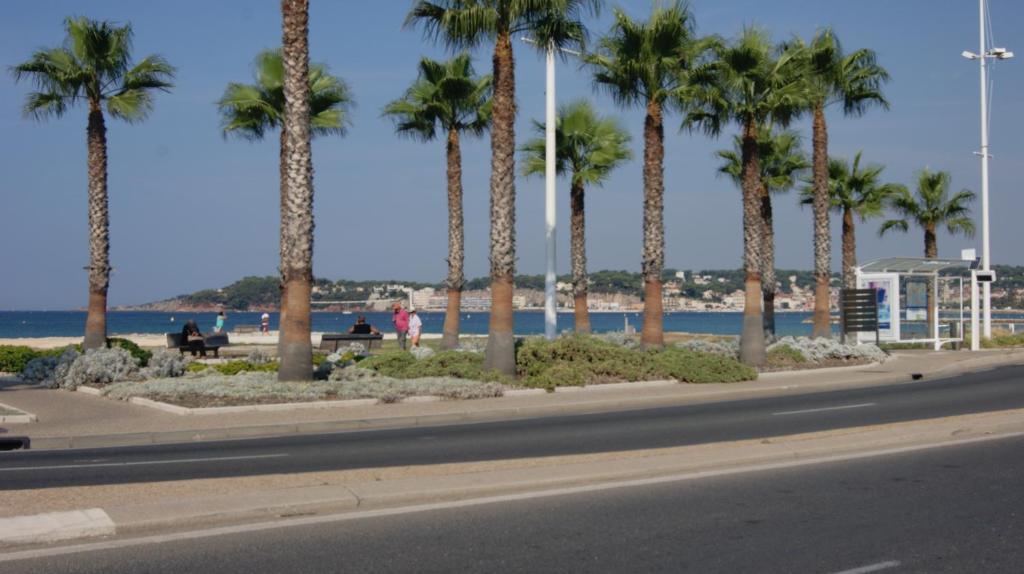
887	293
917	301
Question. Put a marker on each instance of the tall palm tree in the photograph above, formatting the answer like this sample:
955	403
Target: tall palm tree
295	347
930	209
249	111
647	64
447	96
463	24
587	147
94	66
753	84
854	191
833	77
781	162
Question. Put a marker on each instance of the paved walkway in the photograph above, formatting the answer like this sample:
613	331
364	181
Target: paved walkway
66	419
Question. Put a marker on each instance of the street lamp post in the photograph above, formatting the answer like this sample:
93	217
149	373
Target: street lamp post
983	55
550	276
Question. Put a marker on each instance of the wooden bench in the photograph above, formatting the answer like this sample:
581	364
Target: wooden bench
210	343
332	341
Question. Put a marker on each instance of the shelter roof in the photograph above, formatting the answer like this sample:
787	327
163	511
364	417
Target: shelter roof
913	265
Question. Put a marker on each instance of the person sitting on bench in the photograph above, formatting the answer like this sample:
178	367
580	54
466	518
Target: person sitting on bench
362	327
190	333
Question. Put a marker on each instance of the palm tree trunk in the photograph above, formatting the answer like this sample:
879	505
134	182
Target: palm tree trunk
297	218
283	174
768	278
752	347
456	243
822	239
653	333
577	230
849	250
99	231
500	353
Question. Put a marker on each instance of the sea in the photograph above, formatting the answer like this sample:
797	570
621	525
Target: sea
14	324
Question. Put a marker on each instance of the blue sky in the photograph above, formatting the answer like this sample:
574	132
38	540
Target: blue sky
191	210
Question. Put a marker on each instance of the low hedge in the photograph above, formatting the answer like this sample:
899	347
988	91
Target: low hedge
136	351
570	361
13	358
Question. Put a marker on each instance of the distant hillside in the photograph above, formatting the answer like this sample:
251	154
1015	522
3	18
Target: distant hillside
261	293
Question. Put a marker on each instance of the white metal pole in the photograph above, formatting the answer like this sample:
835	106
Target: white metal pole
975	339
550	310
985	261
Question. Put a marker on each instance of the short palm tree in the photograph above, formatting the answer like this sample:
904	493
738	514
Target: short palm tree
930	209
854	191
753	84
781	162
249	111
447	97
587	148
646	64
94	66
464	24
833	77
933	207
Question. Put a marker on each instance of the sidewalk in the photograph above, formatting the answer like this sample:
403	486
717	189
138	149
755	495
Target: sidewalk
65	419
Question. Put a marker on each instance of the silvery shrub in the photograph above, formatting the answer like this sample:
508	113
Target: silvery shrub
824	348
258	357
620	338
164	364
99	367
724	348
46	369
421	352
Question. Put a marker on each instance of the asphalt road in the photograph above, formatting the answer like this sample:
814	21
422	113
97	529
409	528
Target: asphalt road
561	435
950	509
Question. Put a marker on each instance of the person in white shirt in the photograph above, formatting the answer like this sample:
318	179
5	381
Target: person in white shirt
415	327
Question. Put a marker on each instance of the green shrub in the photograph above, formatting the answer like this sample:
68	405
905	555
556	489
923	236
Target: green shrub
578	360
136	351
196	367
782	355
13	358
319	358
1002	341
235	367
402	365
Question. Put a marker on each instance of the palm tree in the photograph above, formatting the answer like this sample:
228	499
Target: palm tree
855	81
94	66
854	191
781	160
752	84
249	111
464	24
448	96
930	209
588	147
647	64
295	347
933	207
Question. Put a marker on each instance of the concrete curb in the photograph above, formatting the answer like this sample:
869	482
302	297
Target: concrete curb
54	526
20	416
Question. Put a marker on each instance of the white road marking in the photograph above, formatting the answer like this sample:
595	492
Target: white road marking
144	462
470	502
871	568
825	409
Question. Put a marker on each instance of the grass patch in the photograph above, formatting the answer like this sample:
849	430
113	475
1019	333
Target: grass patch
460	365
785	356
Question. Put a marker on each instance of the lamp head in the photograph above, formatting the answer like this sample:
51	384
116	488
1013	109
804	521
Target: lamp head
969	55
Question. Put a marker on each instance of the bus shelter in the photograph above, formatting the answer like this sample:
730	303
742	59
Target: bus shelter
919	300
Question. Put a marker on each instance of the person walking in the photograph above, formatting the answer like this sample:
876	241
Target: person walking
265	323
415	327
400	318
219	326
